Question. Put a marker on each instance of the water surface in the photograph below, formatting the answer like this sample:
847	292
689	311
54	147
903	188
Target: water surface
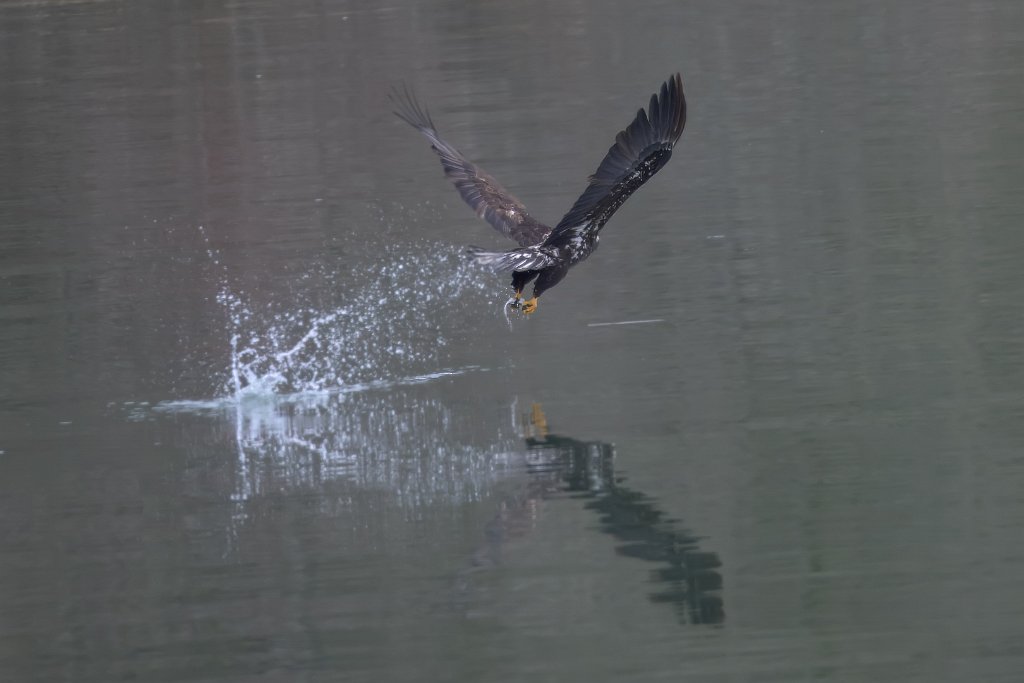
258	420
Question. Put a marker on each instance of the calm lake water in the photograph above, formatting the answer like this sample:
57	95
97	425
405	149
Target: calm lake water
258	420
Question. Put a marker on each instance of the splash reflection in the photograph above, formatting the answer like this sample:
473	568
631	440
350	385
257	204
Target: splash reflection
399	440
412	449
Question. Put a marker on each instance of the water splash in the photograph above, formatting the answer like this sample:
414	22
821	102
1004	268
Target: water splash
385	322
322	385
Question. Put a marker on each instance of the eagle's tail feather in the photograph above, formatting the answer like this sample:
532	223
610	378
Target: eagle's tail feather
490	259
527	258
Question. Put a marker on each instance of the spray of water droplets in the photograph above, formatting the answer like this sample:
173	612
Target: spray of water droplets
319	383
383	320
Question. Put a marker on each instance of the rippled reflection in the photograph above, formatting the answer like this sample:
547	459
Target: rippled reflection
399	439
416	446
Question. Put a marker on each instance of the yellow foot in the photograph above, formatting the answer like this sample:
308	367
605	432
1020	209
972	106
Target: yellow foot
529	306
538	420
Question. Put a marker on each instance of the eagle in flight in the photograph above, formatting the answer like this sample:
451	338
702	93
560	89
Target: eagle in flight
546	254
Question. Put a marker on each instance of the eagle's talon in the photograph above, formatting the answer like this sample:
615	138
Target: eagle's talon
529	306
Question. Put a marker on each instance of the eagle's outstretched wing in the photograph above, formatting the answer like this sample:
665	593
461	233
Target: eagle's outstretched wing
638	153
488	199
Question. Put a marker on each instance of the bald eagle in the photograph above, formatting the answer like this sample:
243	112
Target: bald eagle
546	254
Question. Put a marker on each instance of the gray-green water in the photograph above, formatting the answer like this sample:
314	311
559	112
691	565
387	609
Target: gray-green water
258	422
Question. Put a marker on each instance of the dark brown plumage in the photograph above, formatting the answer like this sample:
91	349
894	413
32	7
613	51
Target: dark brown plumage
488	199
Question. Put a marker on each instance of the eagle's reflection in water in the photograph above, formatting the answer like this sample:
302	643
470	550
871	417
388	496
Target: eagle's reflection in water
687	577
355	455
